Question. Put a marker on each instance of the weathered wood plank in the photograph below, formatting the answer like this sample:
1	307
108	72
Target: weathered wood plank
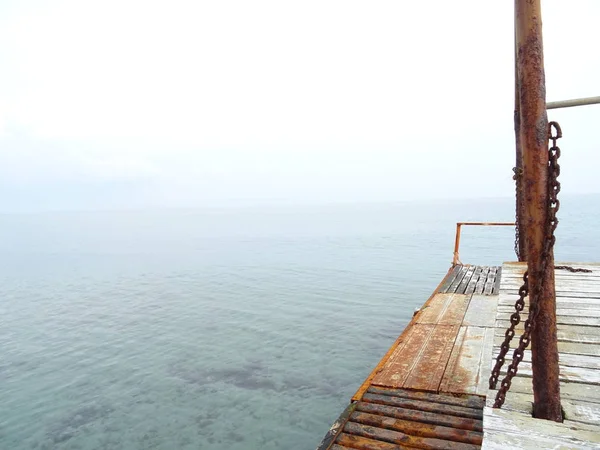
473	282
496	288
467	371
566	359
571	391
566	373
491	280
449	279
444	309
458	279
481	311
397	437
465	282
421	416
419	360
527	432
566	333
467	401
481	282
418	429
425	406
575	348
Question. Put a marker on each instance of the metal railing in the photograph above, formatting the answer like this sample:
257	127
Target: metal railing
459	225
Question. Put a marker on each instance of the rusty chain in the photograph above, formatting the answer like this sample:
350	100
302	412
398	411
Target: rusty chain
518	172
554	133
572	269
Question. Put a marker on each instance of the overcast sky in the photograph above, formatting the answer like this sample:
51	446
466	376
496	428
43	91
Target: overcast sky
127	103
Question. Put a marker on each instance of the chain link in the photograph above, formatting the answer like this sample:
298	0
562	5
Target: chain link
555	133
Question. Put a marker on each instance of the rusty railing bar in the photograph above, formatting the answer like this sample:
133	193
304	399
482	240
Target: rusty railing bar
455	259
574	102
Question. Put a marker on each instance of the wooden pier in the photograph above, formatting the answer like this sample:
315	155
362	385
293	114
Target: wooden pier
431	389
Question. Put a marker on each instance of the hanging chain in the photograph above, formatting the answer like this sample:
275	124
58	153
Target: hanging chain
555	133
518	173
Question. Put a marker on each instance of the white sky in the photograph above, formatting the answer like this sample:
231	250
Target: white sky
127	103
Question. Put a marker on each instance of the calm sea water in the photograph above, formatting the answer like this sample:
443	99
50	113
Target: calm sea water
233	329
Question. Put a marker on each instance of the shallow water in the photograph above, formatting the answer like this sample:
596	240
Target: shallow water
227	329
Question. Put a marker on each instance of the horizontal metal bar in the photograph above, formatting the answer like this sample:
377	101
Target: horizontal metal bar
574	102
488	224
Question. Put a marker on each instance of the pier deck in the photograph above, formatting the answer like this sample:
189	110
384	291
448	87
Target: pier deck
431	388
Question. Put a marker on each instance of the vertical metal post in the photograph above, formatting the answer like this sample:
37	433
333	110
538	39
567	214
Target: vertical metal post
534	141
520	244
456	260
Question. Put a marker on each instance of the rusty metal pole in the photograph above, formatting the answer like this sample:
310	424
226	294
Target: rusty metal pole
534	141
520	244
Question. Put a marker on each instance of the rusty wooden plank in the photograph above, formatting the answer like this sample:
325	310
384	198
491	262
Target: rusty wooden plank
421	416
444	309
467	401
458	279
361	443
396	437
473	282
419	405
418	362
462	287
429	368
418	429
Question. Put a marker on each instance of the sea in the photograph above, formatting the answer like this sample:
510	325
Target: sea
245	328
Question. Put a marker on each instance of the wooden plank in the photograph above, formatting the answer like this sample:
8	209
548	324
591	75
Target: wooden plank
449	279
565	333
467	401
524	431
575	410
425	406
468	369
560	320
421	416
419	360
458	279
575	348
566	373
496	288
444	309
481	311
465	281
566	359
491	280
396	437
472	283
570	391
584	311
361	443
480	286
418	429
